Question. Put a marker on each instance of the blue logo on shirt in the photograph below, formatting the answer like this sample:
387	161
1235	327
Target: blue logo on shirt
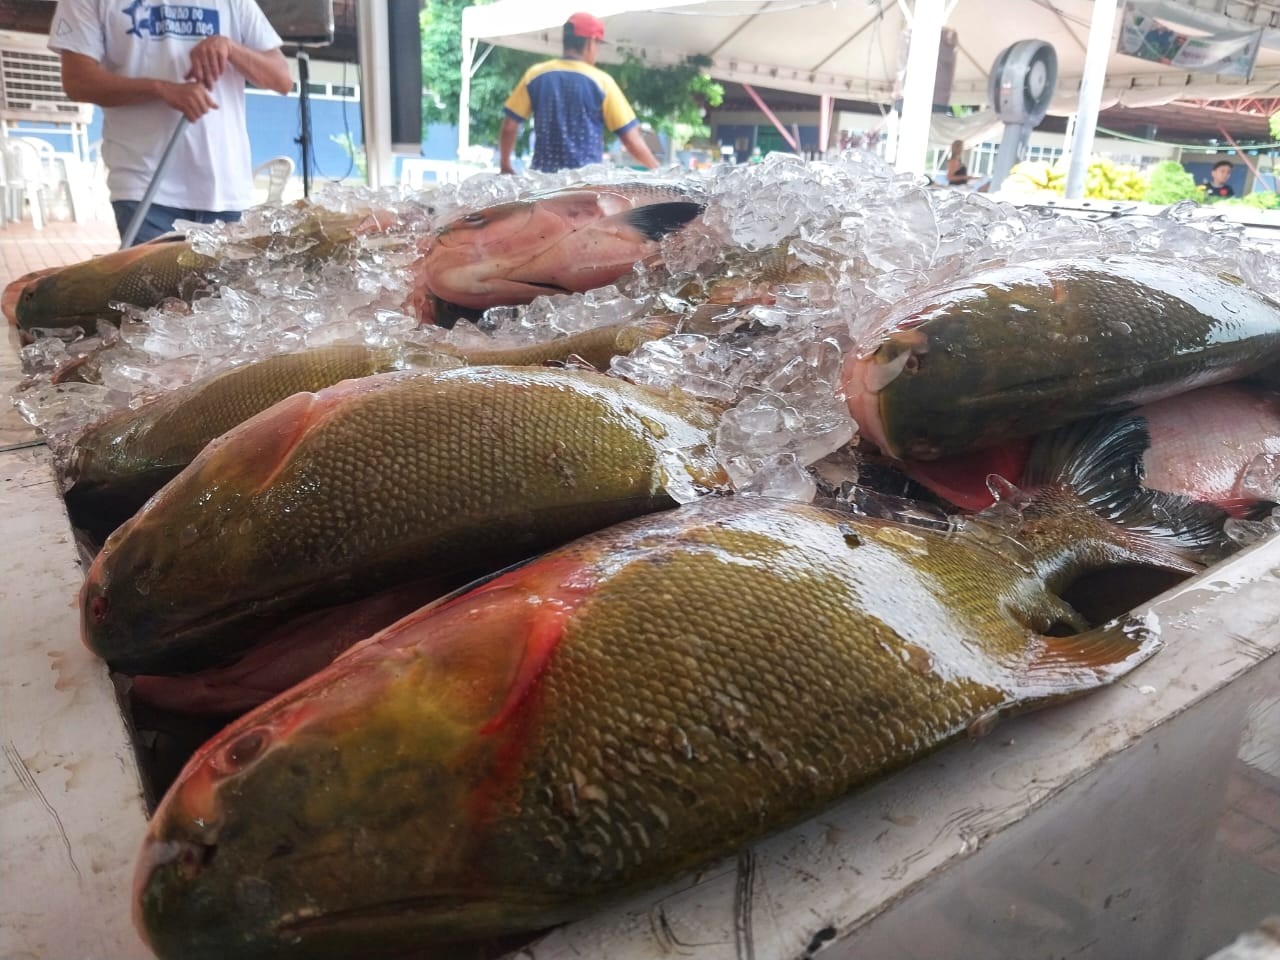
162	20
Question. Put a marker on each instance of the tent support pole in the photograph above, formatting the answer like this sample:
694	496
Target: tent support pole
917	90
375	90
1241	154
464	94
764	108
825	109
1101	30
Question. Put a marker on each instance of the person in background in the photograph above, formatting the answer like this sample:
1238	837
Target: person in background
957	173
571	103
147	64
1216	187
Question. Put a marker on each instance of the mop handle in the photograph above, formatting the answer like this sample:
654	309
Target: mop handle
140	212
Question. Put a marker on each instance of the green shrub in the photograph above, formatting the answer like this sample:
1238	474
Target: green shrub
1170	183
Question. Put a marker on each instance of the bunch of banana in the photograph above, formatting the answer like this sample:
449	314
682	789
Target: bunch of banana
1110	181
1035	176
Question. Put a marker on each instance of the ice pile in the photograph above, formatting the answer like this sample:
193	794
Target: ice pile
794	266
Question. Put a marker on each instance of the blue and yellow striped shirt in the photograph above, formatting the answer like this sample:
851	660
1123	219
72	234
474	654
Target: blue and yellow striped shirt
571	103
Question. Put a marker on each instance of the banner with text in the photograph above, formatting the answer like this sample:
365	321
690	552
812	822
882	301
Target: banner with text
1229	53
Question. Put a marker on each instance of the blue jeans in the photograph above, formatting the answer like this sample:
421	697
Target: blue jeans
159	220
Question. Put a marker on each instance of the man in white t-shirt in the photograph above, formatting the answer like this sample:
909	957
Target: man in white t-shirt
147	63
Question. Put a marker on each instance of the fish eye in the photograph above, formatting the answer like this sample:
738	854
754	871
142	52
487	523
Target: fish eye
474	219
242	751
99	607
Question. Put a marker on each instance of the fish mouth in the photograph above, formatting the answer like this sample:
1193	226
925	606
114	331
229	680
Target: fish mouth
180	644
447	312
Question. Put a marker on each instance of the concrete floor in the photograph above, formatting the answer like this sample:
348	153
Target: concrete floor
24	248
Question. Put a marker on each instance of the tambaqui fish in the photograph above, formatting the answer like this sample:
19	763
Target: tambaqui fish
143	276
1019	350
612	714
330	496
121	460
564	241
1217	445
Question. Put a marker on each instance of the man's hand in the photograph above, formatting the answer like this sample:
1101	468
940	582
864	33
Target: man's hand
192	100
507	144
208	59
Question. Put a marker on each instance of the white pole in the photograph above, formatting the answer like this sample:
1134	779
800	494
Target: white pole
1101	38
464	94
375	90
917	89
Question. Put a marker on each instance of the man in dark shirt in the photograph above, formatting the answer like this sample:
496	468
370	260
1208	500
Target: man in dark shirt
1216	187
571	102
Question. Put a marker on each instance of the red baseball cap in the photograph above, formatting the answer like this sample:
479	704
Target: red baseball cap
587	26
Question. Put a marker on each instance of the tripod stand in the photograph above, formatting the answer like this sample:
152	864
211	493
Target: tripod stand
303	140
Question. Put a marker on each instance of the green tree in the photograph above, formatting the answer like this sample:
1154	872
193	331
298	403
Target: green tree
673	100
441	25
1274	122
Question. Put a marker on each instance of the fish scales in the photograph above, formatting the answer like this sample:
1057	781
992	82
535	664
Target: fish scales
793	697
121	460
635	704
329	495
175	427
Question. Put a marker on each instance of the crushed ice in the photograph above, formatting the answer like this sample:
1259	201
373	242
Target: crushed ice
793	265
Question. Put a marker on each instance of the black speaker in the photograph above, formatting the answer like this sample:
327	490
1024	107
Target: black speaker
300	21
405	43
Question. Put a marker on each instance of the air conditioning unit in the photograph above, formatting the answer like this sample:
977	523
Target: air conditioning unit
31	87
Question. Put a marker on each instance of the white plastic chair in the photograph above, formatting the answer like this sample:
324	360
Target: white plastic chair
24	180
413	172
278	171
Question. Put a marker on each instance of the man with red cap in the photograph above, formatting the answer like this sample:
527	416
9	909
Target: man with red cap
571	102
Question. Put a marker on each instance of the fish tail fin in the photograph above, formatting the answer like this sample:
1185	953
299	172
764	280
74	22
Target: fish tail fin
656	220
1100	461
1061	667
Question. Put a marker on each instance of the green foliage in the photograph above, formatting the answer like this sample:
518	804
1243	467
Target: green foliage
1274	121
441	26
1260	200
1171	183
354	150
673	100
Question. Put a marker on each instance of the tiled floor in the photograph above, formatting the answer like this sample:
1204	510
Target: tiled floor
24	248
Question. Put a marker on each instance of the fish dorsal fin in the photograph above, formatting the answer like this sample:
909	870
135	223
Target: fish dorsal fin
656	220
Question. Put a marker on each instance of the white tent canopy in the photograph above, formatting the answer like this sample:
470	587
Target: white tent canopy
849	48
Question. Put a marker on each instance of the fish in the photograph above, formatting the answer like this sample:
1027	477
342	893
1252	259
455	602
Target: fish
13	292
121	460
619	711
1017	350
81	294
287	655
563	241
329	496
1218	446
